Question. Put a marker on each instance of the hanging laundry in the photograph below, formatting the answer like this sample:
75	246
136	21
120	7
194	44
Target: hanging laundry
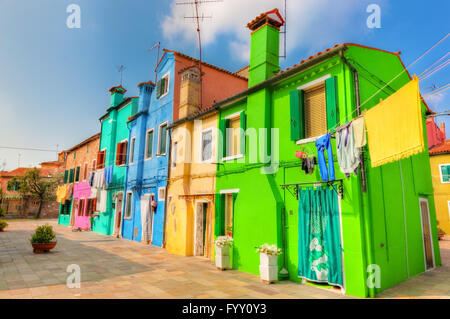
69	191
98	180
322	144
359	132
394	126
102	196
61	194
308	164
91	178
346	150
108	174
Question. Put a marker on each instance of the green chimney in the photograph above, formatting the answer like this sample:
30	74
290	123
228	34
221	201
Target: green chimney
264	47
117	93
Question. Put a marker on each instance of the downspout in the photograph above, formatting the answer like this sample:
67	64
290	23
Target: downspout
367	221
166	206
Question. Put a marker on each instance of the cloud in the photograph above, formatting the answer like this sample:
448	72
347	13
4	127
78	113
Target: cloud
311	24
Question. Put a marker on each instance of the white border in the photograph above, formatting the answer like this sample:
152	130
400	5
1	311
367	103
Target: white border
146	144
159	138
131	207
168	84
314	82
229	191
201	145
131	153
164	197
422	199
440	173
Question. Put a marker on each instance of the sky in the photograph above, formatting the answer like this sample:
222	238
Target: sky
54	80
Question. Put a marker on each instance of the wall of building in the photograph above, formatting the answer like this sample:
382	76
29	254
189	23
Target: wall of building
441	191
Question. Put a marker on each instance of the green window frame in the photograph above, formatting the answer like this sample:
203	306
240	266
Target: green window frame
162	139
71	175
77	174
66	176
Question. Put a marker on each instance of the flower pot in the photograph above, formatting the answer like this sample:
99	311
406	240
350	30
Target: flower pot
222	257
268	268
39	248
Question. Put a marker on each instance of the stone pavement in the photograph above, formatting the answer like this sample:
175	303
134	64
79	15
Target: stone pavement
119	268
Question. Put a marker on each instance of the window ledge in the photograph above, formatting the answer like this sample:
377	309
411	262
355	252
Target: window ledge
233	157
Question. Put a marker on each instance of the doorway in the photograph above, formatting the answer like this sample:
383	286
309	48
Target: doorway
118	215
426	233
147	212
202	230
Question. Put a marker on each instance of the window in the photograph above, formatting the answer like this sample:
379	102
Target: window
77	174
101	156
161	194
85	171
65	208
207	145
149	144
90	202
66	176
162	86
80	207
71	175
162	139
132	144
444	170
121	153
314	108
128	204
94	165
233	132
229	214
174	154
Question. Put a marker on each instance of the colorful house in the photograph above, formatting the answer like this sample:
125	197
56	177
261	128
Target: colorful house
440	172
150	140
79	162
265	194
191	187
112	159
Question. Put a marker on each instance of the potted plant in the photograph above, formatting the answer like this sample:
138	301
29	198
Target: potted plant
3	225
43	239
441	233
223	244
268	262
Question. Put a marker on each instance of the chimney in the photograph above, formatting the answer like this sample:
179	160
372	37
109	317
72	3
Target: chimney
442	128
264	46
145	92
189	91
117	93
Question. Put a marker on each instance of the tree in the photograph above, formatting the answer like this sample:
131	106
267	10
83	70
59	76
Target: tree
34	185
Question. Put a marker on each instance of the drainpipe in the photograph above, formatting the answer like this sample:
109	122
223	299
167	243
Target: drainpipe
368	237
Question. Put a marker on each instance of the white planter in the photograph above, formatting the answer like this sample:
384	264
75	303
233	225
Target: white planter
222	257
268	268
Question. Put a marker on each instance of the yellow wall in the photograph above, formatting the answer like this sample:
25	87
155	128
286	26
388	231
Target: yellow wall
441	191
189	177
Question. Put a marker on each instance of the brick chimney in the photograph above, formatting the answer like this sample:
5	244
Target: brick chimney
264	46
189	91
442	128
117	93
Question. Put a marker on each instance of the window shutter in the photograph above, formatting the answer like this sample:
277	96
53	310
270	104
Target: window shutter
77	174
158	89
219	227
71	173
66	175
118	152
297	106
332	105
124	152
243	127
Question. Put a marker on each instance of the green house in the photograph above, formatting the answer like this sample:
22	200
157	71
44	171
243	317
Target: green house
380	216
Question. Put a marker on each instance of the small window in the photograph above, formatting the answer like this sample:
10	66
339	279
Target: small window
121	153
162	86
161	194
206	145
233	137
162	139
77	174
315	111
229	214
132	144
101	156
149	144
128	205
86	171
174	154
66	176
444	170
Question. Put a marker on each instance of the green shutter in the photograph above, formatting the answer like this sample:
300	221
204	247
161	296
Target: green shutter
66	175
162	146
243	127
77	174
332	104
219	224
223	124
71	175
297	106
158	89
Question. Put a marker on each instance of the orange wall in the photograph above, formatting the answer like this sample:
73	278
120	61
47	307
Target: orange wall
84	154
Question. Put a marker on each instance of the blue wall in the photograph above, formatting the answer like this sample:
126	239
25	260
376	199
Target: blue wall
145	176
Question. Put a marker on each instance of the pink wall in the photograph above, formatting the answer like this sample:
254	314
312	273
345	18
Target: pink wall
82	191
435	134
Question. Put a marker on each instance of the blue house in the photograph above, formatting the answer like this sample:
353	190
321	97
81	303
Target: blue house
147	169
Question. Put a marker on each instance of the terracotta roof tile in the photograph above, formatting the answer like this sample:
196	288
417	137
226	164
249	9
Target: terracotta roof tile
443	148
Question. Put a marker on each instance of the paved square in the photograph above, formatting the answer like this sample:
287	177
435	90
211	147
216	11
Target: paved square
119	268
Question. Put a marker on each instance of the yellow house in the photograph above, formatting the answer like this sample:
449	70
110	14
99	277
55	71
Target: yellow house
189	228
440	170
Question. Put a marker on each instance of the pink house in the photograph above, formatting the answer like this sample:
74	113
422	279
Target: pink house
84	205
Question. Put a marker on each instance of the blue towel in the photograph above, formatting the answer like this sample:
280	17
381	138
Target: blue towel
108	174
322	144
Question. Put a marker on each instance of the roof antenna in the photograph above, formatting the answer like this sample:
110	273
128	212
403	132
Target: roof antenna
284	32
120	69
197	19
156	45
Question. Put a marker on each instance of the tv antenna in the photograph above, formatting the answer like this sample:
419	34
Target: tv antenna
156	45
197	19
284	32
120	70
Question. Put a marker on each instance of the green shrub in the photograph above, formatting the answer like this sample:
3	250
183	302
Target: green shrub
44	234
2	212
3	225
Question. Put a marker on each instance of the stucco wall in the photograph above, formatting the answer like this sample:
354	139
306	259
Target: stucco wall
441	191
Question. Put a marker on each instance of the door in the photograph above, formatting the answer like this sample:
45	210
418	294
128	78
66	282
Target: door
118	215
202	232
426	231
147	217
74	211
